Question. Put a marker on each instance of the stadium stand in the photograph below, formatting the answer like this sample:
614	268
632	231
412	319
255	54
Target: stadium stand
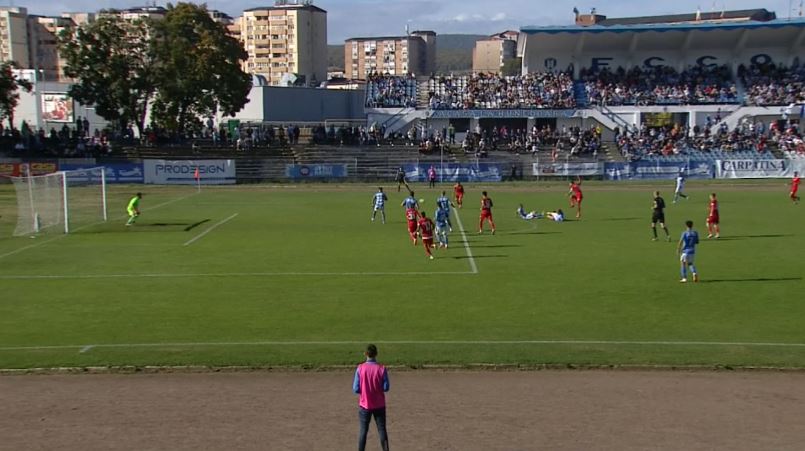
388	91
659	86
769	85
491	91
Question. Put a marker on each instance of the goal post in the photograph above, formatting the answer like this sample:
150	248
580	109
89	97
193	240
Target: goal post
62	201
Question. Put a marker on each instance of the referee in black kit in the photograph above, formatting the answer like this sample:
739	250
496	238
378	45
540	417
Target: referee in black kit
658	216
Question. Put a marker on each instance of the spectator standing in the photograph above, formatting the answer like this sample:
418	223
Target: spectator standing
371	383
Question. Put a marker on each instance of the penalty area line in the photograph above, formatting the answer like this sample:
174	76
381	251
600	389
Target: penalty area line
86	348
42	243
212	227
470	258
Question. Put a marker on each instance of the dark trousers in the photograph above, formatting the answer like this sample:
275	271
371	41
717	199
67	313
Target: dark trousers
365	417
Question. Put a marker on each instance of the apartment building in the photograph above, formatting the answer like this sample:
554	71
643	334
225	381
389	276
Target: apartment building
14	36
492	53
395	55
286	43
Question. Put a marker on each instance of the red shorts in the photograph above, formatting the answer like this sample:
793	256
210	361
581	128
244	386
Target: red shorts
577	199
412	227
427	242
794	192
459	197
486	214
712	219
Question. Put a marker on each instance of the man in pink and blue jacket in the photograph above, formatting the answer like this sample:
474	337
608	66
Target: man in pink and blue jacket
371	383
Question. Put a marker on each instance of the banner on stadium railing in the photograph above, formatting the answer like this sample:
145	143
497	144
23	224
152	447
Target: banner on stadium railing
652	170
567	169
183	172
37	168
452	172
753	169
313	171
115	173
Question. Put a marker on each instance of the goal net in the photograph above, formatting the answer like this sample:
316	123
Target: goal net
62	202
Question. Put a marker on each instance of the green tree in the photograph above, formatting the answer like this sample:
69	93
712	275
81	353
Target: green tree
9	91
197	68
112	64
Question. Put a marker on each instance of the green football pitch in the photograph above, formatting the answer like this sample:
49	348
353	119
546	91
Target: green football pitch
298	276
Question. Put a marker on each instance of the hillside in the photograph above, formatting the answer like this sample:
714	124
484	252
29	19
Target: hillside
453	53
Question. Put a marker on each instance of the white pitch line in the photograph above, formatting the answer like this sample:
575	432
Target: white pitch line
470	258
234	274
213	227
64	235
84	348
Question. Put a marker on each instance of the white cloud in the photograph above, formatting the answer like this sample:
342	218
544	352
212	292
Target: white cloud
498	17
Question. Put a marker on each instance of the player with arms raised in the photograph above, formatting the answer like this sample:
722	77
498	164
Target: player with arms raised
486	213
379	203
576	196
133	209
426	228
713	227
687	252
795	188
458	191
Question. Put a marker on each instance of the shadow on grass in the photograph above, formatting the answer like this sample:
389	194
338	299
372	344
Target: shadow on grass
495	246
620	219
533	232
749	237
164	224
193	226
758	279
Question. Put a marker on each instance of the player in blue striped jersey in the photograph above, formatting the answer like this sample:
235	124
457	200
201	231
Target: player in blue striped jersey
410	201
379	204
443	202
442	226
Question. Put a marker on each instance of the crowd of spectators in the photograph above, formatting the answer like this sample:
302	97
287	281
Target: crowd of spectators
769	84
676	139
492	91
390	91
659	85
559	143
66	141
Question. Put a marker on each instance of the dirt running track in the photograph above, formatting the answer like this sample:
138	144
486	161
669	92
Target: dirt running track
428	410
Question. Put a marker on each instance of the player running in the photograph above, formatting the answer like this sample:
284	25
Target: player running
576	196
795	188
411	215
680	186
687	252
458	191
713	228
400	178
133	209
442	227
486	213
658	216
443	202
426	227
379	204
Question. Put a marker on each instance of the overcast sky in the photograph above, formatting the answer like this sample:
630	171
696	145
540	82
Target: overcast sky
348	18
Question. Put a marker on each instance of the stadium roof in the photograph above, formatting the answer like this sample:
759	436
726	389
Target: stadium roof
303	6
747	14
663	27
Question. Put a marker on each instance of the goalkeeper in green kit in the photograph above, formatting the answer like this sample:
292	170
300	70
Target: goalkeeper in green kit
134	208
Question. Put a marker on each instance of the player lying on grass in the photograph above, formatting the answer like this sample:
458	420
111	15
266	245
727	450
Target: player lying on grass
528	216
133	209
556	216
687	252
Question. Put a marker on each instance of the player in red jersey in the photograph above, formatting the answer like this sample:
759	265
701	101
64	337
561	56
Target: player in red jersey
795	188
412	215
576	196
486	213
458	190
713	229
426	227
